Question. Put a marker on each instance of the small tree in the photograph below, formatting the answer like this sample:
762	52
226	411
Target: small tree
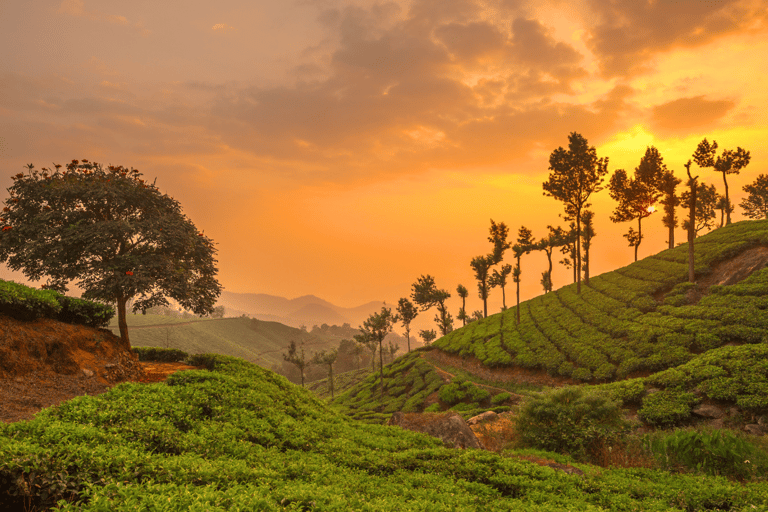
406	312
724	206
587	234
327	358
376	328
296	357
393	349
482	265
113	232
498	237
524	245
428	335
500	279
729	162
426	294
463	293
756	203
706	199
670	200
557	237
576	175
365	341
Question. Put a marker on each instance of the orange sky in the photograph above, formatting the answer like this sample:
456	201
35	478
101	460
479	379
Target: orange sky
343	148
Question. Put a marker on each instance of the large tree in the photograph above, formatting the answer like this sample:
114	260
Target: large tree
463	293
406	312
638	195
117	235
587	234
756	203
575	175
705	200
482	265
729	162
426	294
376	328
670	201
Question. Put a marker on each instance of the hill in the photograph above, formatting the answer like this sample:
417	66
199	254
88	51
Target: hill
238	437
661	346
307	310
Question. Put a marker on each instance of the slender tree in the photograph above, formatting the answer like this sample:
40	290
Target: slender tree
500	279
426	294
756	203
729	162
724	206
670	200
576	175
376	328
365	340
498	237
406	312
691	202
638	195
569	250
328	359
706	199
117	235
587	234
482	265
296	357
525	244
392	351
463	293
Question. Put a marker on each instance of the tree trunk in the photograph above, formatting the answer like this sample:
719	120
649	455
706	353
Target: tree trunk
408	336
381	368
463	320
578	251
727	203
672	236
639	235
121	322
691	232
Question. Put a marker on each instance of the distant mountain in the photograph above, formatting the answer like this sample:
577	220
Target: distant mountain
307	310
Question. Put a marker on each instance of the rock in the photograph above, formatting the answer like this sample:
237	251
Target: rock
87	372
708	411
109	365
480	418
449	427
754	429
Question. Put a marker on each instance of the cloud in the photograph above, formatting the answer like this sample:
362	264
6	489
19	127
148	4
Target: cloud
681	116
222	26
631	32
77	8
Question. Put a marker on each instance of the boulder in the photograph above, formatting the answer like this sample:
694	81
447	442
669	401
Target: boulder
708	411
754	429
449	427
482	417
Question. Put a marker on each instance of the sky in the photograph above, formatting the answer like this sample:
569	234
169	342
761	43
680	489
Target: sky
344	148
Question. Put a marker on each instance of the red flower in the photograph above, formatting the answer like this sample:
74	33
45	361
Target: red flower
128	273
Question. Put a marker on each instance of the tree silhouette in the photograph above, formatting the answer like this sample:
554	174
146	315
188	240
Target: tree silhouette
498	237
724	207
576	175
406	312
706	199
365	340
525	244
428	335
638	195
756	203
500	279
463	293
556	238
670	200
327	358
587	234
376	328
297	358
113	232
481	265
691	202
426	294
729	162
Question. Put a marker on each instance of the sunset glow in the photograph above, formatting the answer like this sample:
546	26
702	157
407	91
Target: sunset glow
344	148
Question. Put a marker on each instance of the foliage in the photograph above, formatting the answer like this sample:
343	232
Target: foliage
706	199
406	313
460	390
667	407
756	203
117	235
298	358
568	421
481	266
375	328
729	162
426	294
166	355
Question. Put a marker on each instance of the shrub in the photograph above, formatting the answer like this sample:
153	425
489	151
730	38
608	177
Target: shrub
166	355
666	408
461	390
568	421
500	398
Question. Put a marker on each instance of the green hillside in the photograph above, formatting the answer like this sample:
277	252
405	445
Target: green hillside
634	319
637	333
240	438
257	341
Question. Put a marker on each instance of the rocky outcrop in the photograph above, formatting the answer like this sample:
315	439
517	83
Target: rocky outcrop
449	427
482	417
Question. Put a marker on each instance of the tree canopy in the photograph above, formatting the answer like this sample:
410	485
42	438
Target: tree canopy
756	203
575	175
406	312
426	294
117	235
729	162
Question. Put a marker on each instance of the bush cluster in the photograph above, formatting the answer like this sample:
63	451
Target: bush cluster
165	355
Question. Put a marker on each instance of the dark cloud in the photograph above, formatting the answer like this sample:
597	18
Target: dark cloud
682	115
630	32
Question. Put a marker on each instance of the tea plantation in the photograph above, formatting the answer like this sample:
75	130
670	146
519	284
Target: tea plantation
238	437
